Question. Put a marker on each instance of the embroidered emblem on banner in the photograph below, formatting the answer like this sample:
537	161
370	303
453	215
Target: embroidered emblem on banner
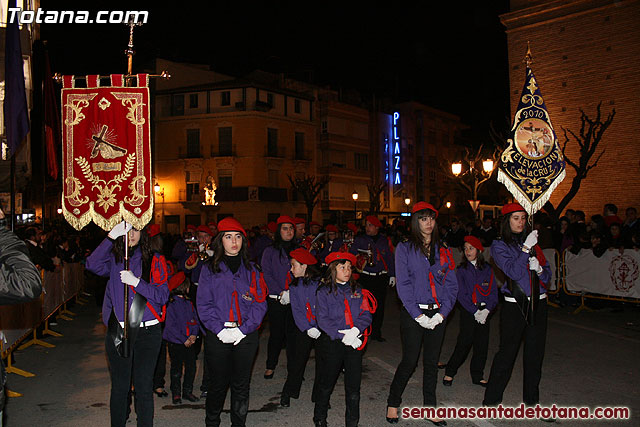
106	154
532	165
623	271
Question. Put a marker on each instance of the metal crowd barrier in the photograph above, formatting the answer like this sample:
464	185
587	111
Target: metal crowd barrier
17	322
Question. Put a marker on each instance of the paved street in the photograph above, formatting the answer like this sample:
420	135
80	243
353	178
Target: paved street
592	359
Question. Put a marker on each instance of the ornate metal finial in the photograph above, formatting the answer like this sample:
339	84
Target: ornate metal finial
130	52
528	58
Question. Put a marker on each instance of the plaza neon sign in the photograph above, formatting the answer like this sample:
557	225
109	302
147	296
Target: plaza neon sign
397	157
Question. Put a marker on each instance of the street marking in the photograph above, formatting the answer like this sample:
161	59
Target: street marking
384	365
387	367
598	331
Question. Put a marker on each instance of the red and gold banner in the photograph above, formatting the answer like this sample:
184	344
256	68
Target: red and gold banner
106	153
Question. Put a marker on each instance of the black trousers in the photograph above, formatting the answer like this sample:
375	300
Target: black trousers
378	286
161	367
200	342
513	328
282	331
230	367
295	371
139	366
472	334
414	337
182	356
334	355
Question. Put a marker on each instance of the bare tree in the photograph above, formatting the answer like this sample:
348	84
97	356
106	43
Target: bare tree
589	138
375	188
309	187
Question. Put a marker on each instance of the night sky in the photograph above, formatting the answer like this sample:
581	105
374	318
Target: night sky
451	57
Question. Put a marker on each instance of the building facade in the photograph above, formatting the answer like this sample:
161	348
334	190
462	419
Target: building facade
585	52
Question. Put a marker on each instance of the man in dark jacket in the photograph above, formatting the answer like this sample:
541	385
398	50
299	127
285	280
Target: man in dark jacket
19	280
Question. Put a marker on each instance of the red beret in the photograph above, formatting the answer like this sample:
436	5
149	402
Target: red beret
374	221
474	241
303	256
512	207
336	256
284	219
352	227
212	224
176	280
272	226
315	223
153	230
191	227
297	221
332	228
420	206
205	229
231	224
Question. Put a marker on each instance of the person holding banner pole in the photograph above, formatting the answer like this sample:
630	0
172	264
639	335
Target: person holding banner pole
147	280
428	288
524	313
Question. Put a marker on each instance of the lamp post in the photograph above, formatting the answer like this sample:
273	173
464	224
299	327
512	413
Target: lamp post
354	196
407	202
160	192
476	176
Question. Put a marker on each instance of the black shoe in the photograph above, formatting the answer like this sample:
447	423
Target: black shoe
448	383
162	393
203	395
191	397
285	400
176	400
392	420
548	420
480	383
322	423
269	376
437	423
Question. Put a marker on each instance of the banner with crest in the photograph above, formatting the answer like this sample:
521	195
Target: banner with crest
106	153
532	166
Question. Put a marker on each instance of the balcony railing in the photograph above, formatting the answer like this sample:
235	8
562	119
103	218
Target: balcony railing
187	154
276	152
217	152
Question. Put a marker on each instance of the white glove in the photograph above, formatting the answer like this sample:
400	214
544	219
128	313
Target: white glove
534	265
120	230
209	252
350	335
531	239
236	335
201	247
481	316
313	333
356	343
226	336
434	321
284	298
128	278
392	281
422	320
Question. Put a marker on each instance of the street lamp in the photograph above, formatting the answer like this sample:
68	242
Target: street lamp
160	192
407	202
354	196
476	176
59	211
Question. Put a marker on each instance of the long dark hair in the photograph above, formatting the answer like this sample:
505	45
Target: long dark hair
329	279
416	239
311	273
144	245
480	262
218	252
507	235
282	245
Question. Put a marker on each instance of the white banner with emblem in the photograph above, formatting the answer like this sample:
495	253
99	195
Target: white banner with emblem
613	274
